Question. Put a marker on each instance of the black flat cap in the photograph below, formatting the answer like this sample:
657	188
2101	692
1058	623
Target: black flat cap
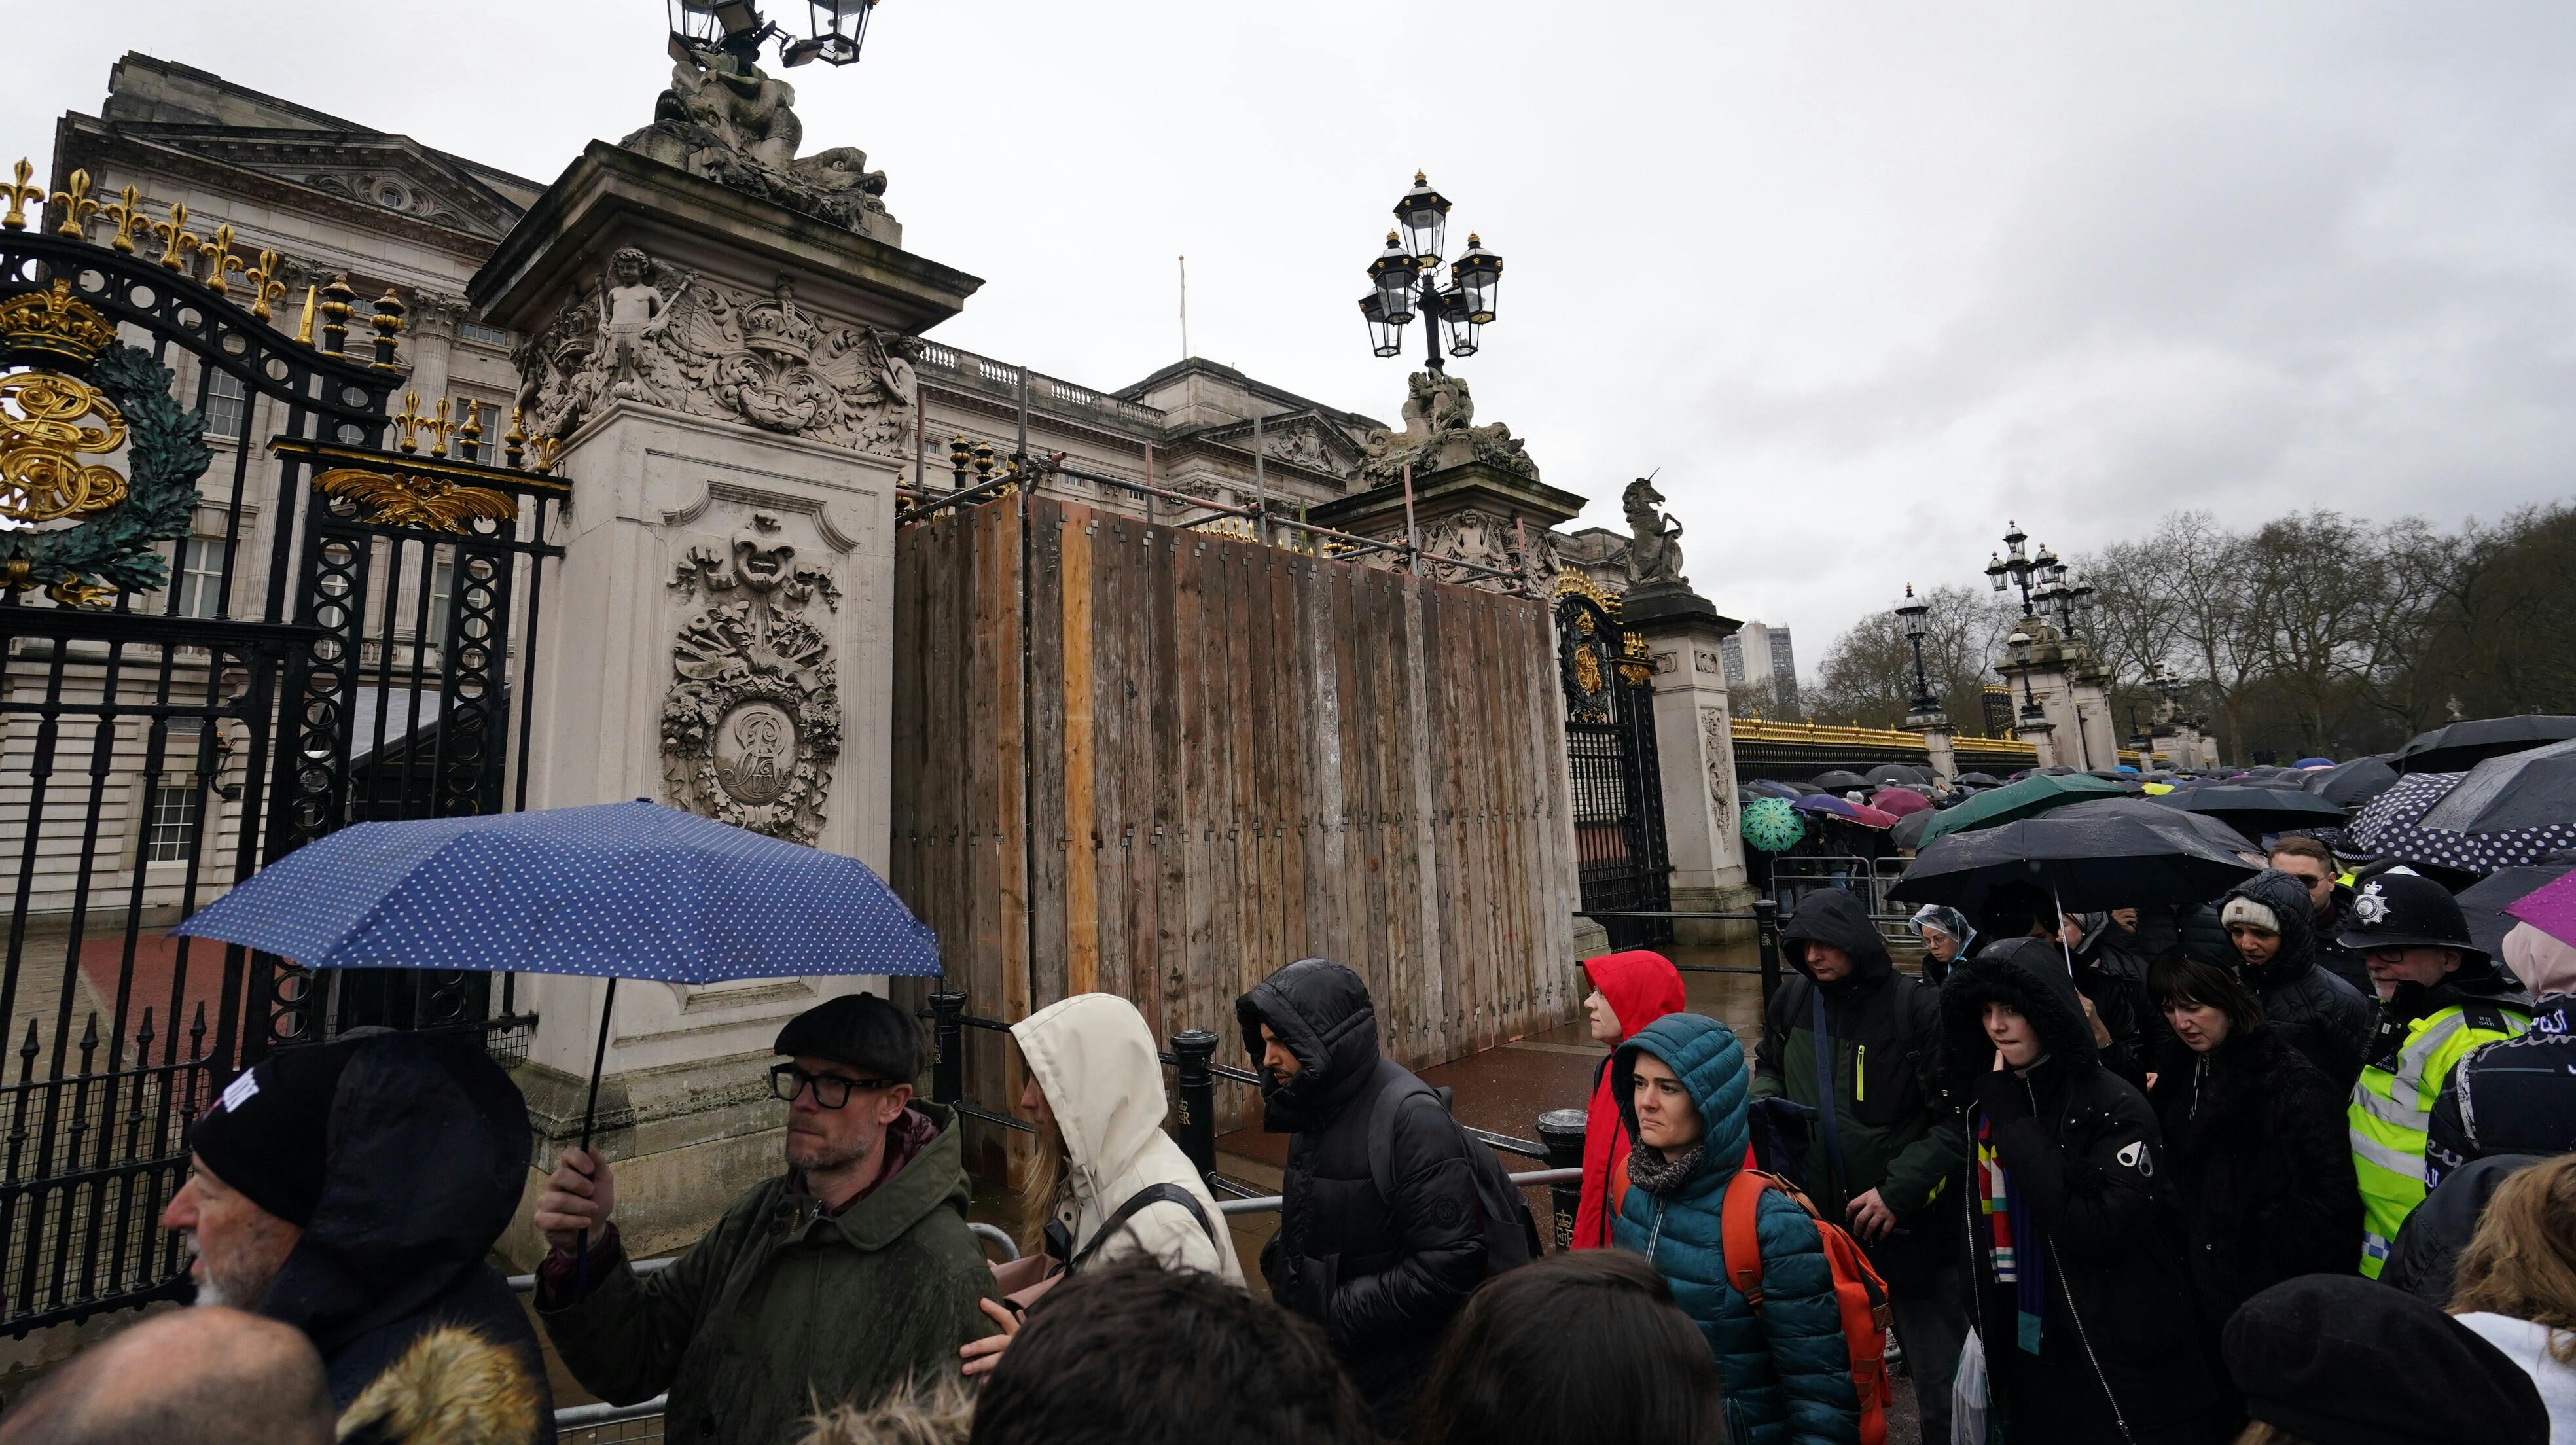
2342	1360
859	1030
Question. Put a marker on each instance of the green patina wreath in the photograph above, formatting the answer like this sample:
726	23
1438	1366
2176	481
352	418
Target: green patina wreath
113	549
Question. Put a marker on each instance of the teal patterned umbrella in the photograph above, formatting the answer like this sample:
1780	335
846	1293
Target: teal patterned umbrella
1771	825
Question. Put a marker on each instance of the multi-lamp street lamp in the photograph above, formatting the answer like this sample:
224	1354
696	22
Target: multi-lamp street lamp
1405	282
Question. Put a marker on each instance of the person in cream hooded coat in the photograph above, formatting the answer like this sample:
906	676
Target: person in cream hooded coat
1094	1060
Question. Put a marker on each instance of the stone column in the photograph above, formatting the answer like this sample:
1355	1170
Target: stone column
1937	737
717	635
1696	752
2090	699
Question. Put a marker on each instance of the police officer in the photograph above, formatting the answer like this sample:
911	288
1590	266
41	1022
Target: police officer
2440	996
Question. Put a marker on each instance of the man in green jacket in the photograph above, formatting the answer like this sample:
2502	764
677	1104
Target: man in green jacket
1857	1042
834	1282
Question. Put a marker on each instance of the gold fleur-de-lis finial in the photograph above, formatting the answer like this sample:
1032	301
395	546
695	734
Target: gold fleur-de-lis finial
20	193
126	215
177	242
264	285
77	206
407	423
217	252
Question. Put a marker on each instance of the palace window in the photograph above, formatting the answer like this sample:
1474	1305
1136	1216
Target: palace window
199	578
442	585
227	405
482	335
177	804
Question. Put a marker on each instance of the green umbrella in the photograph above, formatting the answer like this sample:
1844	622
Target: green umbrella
1771	825
2031	796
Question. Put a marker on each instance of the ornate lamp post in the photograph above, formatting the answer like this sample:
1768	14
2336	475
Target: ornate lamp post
2013	564
1924	715
1405	282
834	30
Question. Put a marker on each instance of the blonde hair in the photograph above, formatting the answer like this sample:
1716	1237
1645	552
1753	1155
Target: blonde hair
2259	1433
2522	1261
939	1413
1044	1182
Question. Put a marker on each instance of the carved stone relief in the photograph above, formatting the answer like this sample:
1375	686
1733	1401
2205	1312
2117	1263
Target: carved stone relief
1720	747
752	723
1481	537
1708	662
679	341
1439	431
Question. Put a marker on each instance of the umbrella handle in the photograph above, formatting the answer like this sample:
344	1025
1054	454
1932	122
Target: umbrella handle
589	1115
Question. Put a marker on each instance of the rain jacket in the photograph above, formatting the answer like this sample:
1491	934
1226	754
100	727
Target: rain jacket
2254	1138
2426	1259
1383	1276
1881	1046
2423	1035
2312	1008
1640	987
1095	1061
2118	1358
428	1152
2517	1097
781	1305
1786	1371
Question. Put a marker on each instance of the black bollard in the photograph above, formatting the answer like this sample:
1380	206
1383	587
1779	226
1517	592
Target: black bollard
1195	1109
1766	925
947	1049
1561	1130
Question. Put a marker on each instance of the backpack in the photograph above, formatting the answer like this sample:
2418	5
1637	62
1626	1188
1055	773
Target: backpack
1511	1232
1858	1291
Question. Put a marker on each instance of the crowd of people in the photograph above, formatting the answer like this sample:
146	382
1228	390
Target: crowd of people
2152	1177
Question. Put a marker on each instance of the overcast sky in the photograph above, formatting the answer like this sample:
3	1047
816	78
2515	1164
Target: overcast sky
1862	279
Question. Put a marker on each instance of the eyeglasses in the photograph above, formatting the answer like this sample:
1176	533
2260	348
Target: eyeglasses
831	1091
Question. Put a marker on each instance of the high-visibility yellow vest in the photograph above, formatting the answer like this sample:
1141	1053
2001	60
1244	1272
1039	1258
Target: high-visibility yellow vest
2392	1108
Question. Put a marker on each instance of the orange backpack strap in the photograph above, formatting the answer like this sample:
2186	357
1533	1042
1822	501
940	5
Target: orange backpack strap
1741	1238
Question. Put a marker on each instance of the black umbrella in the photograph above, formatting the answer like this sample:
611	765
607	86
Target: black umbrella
2483	902
1841	780
2255	811
1908	832
2464	745
2090	862
1890	773
2352	784
1773	788
1979	780
2208	828
2531	789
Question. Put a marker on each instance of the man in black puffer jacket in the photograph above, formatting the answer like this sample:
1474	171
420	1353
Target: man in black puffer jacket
1382	1275
2271	921
2088	1337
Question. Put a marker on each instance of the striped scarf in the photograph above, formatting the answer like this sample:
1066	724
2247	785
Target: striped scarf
2012	1239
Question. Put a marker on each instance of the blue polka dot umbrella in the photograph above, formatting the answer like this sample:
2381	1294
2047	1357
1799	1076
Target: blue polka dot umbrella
622	890
1771	825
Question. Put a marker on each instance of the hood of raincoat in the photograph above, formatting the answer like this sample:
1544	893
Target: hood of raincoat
2544	964
2287	896
1640	985
426	1155
1950	921
1837	917
1709	1061
2031	976
1095	1061
1322	1012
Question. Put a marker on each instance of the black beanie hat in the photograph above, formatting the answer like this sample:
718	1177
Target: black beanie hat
2347	1361
859	1030
267	1135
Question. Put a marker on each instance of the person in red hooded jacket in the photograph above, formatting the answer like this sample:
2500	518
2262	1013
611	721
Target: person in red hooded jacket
1629	991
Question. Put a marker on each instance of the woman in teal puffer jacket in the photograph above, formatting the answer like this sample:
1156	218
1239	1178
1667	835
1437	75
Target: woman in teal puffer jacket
1787	1376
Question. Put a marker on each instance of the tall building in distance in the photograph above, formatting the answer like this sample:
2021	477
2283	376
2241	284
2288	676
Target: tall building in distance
1762	672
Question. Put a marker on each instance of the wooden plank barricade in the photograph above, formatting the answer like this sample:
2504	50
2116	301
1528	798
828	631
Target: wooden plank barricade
1162	763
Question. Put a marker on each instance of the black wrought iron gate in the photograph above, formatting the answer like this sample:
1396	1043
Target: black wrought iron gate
210	655
1618	790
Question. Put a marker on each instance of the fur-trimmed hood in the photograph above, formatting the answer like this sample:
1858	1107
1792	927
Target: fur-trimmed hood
2031	975
452	1387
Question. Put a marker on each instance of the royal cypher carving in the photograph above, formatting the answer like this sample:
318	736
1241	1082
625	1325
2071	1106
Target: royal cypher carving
752	723
672	339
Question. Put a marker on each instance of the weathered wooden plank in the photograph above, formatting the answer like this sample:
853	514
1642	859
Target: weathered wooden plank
1047	782
1080	840
1485	870
1446	998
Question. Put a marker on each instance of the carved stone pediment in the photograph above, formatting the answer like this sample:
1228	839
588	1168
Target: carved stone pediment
672	339
386	172
751	725
1304	440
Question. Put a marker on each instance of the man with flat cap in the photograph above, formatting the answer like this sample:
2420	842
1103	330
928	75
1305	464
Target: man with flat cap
836	1281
